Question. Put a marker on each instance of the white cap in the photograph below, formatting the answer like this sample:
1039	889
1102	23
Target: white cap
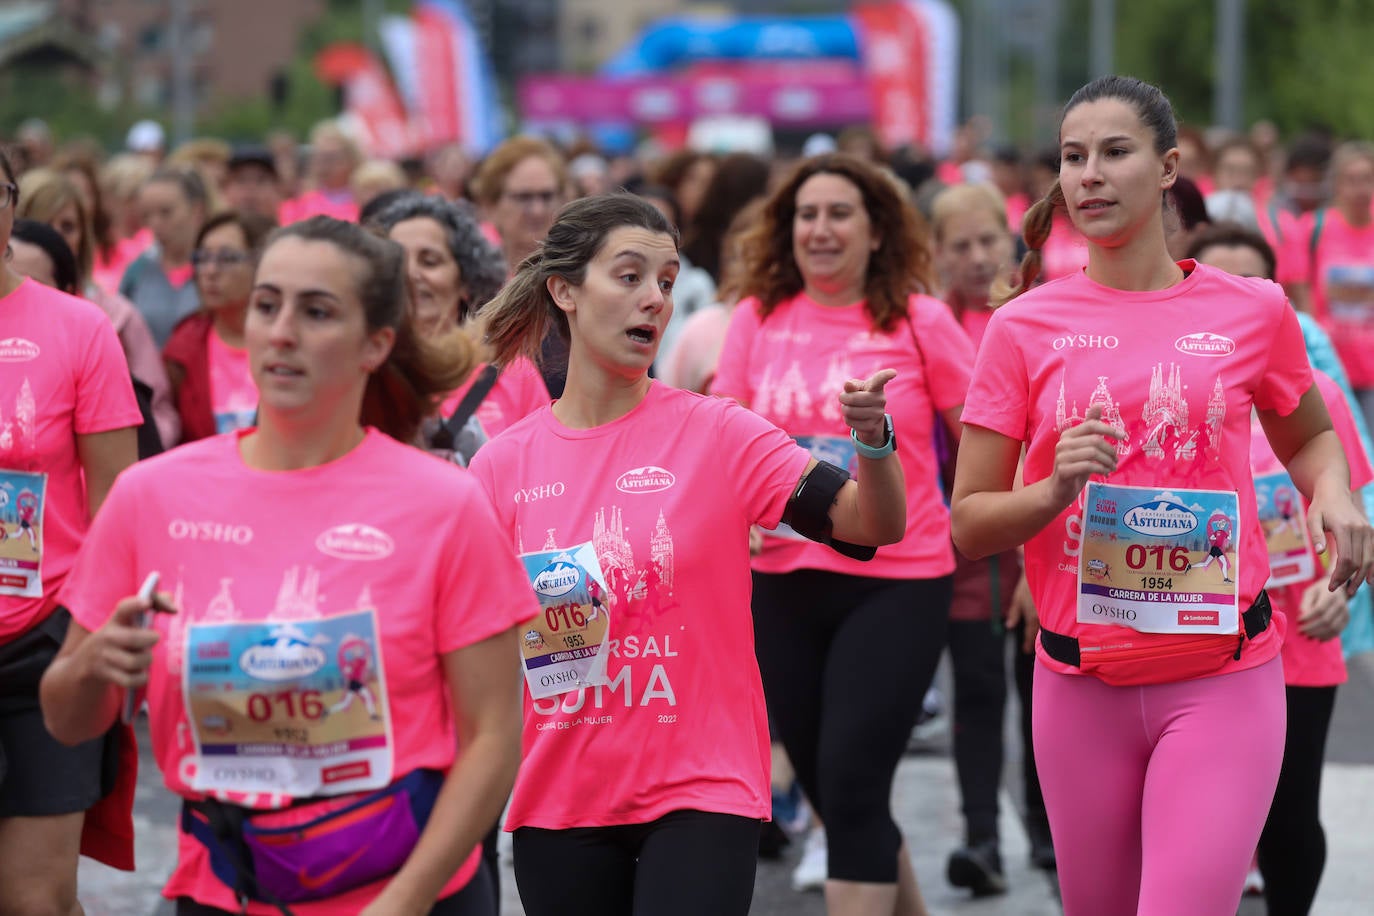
1234	207
145	137
587	164
818	145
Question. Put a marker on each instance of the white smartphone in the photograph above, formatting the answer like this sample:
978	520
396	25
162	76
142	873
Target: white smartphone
145	593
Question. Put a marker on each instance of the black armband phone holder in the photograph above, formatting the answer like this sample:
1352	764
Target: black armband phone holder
808	511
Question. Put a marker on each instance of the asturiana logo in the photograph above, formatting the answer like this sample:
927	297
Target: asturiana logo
283	657
557	579
17	350
355	541
1162	516
1205	343
645	480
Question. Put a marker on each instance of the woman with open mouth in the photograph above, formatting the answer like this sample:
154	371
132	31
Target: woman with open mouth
646	750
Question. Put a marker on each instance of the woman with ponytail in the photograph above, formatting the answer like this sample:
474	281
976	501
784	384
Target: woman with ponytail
307	562
1158	695
646	752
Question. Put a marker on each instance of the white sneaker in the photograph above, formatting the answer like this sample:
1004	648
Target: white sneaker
811	871
1254	883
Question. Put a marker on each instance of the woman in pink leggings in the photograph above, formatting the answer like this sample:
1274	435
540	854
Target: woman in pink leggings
1106	427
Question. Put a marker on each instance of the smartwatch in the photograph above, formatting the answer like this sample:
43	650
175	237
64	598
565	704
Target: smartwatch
882	451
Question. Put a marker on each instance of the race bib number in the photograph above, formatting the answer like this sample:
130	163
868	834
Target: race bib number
1159	561
1350	292
1284	520
836	450
23	499
298	708
564	647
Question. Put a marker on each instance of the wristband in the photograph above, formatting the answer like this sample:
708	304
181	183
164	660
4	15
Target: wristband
882	451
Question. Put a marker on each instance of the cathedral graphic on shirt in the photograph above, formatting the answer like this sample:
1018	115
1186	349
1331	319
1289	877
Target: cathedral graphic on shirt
785	399
646	590
299	595
19	432
1165	429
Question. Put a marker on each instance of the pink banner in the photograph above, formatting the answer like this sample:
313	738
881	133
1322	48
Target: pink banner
813	96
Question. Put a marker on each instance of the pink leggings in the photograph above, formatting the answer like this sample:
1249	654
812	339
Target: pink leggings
1157	795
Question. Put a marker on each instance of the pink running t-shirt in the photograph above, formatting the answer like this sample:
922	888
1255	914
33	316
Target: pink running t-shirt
1343	292
233	393
62	375
107	272
386	528
665	495
519	391
975	324
1179	369
1288	235
791	368
1308	662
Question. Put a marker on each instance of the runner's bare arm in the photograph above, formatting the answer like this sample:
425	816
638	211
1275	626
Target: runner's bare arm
484	683
103	456
991	515
82	689
1309	448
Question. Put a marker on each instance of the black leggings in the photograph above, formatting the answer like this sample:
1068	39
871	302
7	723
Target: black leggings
845	662
1292	848
977	649
475	899
686	863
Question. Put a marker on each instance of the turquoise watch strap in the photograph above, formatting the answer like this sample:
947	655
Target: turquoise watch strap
882	451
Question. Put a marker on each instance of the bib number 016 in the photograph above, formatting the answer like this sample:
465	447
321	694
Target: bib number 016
1158	559
288	703
559	618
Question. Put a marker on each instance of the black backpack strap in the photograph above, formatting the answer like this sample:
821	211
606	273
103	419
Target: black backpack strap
447	433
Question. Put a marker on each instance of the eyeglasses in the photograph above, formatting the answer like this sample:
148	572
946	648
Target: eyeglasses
9	193
225	257
527	199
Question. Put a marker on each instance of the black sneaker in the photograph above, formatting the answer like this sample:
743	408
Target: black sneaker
977	867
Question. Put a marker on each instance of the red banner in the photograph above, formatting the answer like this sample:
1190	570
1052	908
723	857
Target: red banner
436	59
896	51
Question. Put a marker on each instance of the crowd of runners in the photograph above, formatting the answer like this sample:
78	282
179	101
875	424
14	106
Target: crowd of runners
629	503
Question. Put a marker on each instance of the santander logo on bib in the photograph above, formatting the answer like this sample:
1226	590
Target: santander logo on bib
1205	343
645	480
355	541
17	350
1163	516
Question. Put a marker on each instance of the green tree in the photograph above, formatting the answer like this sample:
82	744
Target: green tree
1310	65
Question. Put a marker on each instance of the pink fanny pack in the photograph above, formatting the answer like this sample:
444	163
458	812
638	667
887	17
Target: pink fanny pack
1124	663
317	848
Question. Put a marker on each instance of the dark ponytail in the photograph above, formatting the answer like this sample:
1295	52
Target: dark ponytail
515	322
1035	231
